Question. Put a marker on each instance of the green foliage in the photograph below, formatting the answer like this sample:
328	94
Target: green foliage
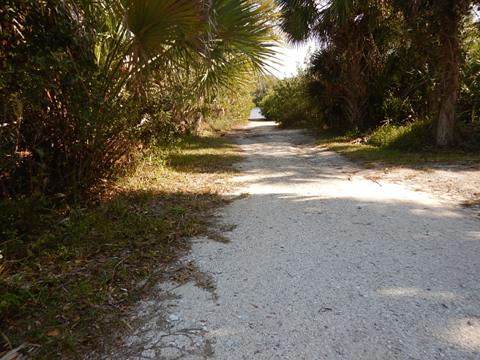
58	133
230	108
87	88
74	272
288	104
263	87
390	62
469	102
409	137
84	83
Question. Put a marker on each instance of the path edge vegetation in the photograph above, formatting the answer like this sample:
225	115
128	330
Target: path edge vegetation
356	149
101	162
72	293
391	81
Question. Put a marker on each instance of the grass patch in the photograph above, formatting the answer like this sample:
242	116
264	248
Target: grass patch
413	136
371	155
203	156
69	276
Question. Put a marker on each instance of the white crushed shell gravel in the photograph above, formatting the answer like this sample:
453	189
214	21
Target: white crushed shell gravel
322	265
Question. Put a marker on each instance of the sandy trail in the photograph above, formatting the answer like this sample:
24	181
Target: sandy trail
322	265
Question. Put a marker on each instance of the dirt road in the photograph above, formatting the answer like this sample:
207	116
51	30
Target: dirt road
322	264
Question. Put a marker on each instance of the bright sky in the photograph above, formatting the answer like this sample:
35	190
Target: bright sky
290	58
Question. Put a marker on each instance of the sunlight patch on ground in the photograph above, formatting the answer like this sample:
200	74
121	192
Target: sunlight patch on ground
418	293
474	234
337	186
463	332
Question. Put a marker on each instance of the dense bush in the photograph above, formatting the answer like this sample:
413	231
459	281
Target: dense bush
83	83
389	61
88	88
288	104
263	87
412	136
469	101
230	108
58	133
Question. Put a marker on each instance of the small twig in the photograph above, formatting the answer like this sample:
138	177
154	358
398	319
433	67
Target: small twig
373	179
127	324
13	354
7	340
116	267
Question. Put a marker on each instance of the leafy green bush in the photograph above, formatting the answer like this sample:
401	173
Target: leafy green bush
229	109
82	83
289	104
58	134
411	136
468	109
469	139
263	87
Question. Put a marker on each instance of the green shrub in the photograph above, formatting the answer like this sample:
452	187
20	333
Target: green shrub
59	133
469	139
290	105
21	220
396	109
230	108
411	136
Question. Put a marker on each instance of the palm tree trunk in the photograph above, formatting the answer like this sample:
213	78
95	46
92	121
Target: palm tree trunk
450	79
356	83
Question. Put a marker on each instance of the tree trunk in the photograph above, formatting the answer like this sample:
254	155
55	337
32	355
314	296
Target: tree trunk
450	78
356	91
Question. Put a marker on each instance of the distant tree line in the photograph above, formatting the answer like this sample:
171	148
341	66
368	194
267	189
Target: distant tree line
384	63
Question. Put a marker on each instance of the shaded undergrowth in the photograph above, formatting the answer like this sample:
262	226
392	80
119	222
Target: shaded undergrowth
69	275
369	153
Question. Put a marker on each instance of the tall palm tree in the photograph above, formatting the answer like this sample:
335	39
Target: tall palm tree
343	26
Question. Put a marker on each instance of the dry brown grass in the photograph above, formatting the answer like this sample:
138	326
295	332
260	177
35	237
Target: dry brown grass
84	271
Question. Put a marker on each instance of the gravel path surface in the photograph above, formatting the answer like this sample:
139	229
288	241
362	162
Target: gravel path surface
322	265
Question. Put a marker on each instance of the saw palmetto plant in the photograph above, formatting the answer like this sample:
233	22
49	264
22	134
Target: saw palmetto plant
100	66
216	42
